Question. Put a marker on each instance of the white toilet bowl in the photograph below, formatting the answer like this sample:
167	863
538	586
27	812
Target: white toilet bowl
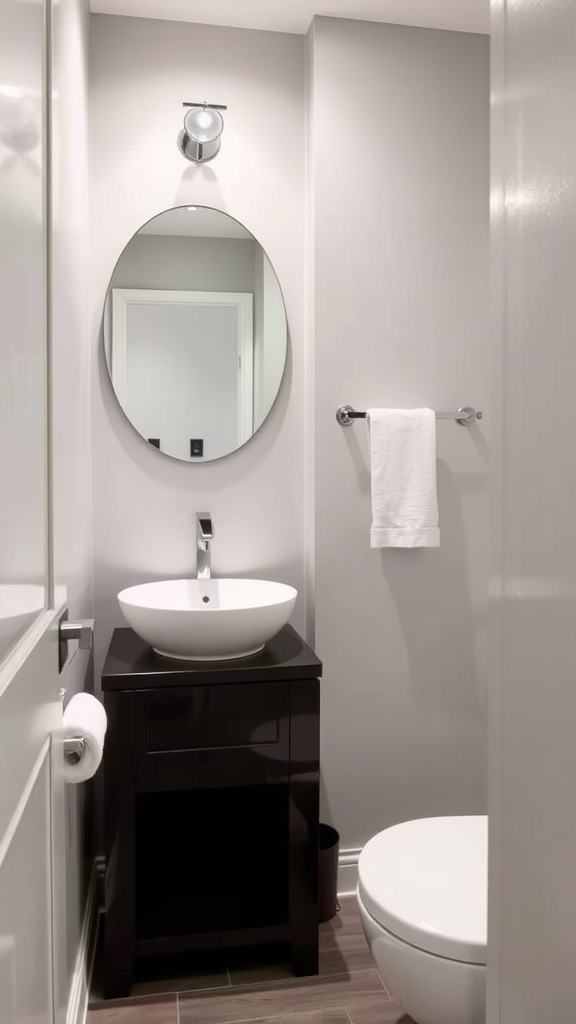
422	893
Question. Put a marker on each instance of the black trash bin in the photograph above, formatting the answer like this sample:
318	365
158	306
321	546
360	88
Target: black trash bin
328	846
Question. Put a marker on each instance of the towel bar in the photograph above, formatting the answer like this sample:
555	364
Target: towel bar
346	414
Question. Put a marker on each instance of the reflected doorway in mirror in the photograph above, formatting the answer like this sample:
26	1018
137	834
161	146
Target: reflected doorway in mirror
195	333
182	363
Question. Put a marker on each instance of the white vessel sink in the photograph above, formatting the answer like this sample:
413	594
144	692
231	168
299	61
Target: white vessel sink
207	620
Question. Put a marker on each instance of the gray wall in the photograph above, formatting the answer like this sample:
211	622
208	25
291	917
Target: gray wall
198	264
395	248
144	504
532	912
400	248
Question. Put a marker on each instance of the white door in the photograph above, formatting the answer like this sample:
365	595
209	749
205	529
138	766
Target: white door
31	827
31	865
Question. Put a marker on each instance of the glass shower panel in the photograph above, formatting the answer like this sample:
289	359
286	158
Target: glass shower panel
23	322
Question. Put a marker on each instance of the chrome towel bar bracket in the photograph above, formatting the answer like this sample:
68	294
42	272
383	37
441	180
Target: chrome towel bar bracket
346	414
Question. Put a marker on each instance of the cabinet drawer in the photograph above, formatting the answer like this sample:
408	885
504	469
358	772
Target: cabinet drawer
212	735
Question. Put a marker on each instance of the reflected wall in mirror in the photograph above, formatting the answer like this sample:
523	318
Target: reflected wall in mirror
195	333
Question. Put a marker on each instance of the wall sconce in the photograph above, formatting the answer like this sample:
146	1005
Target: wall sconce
199	139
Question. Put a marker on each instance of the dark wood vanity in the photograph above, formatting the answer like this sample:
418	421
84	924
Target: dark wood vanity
211	778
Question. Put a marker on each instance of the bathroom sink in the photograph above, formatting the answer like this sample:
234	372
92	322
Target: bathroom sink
207	620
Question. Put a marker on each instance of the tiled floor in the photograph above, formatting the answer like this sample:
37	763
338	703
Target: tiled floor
347	990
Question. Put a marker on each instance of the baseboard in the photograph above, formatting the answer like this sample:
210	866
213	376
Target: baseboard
348	872
80	987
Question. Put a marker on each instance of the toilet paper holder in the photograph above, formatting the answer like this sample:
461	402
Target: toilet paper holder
73	749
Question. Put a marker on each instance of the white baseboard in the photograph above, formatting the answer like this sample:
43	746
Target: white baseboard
348	872
80	986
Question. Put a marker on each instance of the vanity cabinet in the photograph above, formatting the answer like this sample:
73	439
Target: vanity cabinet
211	780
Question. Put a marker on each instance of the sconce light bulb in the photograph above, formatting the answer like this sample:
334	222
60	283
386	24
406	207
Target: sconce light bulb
203	124
203	119
199	139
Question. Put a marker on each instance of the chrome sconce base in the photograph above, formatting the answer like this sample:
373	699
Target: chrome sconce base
197	152
199	140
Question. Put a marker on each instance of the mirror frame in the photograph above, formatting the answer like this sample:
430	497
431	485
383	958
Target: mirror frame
109	318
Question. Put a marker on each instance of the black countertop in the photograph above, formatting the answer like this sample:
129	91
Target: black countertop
132	664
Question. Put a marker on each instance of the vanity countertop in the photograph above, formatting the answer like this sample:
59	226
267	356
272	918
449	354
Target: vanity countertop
132	664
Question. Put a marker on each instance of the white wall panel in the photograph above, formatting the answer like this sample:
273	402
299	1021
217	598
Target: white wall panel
532	760
23	333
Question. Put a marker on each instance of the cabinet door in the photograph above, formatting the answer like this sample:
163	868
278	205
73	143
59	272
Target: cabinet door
204	736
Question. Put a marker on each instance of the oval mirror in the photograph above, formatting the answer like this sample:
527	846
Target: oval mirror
195	333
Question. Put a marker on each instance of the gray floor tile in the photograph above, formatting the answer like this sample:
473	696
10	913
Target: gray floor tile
344	931
160	1010
346	960
375	1010
192	980
331	961
298	995
333	1015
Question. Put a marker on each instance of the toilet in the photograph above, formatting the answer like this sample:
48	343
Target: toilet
423	898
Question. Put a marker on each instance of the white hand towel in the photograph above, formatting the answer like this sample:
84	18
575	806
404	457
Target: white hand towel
84	716
403	469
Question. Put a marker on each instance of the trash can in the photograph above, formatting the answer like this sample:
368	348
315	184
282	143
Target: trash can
328	846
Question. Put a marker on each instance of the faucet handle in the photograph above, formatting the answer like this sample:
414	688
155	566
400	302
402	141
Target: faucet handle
205	527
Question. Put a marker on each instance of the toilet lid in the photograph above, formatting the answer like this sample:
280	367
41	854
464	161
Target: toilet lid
426	882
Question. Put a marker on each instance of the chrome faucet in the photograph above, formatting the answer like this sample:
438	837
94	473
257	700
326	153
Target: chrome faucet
204	534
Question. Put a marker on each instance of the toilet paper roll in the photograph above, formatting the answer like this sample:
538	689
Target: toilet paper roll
84	717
